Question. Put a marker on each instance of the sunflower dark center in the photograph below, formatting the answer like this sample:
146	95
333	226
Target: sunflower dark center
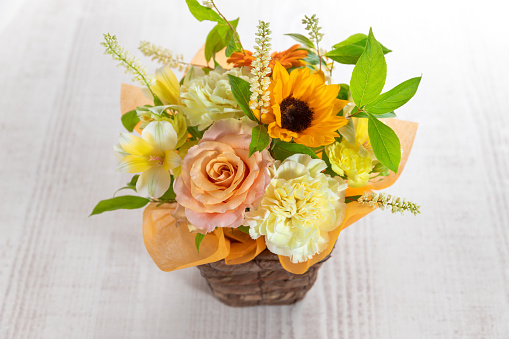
296	115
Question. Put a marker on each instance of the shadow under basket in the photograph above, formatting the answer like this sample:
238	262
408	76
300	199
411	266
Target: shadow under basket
262	281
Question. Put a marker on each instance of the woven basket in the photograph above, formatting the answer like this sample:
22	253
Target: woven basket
262	281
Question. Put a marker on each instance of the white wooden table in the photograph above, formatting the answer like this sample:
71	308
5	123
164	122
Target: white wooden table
444	274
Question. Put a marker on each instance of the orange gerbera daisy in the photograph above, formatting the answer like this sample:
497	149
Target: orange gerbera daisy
303	107
292	57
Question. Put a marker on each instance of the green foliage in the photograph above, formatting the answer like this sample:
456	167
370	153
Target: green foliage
369	74
301	39
385	143
282	150
219	37
348	55
130	120
395	98
343	92
260	139
352	198
233	46
379	116
197	240
169	195
349	51
195	132
243	229
124	202
201	12
130	185
328	170
242	94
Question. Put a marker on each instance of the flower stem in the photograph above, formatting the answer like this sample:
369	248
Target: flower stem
235	34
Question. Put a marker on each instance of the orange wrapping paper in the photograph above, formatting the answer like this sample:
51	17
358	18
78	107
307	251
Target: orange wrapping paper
172	246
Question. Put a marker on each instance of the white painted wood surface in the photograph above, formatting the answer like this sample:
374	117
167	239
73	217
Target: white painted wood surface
444	274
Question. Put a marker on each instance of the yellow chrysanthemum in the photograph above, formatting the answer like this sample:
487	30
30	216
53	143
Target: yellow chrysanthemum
303	107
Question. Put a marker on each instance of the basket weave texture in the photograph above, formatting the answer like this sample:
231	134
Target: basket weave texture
262	281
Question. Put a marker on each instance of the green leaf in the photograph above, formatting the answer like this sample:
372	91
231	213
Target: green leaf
352	39
124	202
312	58
130	185
130	120
244	229
195	132
282	150
242	94
352	198
169	195
233	46
218	38
201	12
369	74
302	40
198	240
260	139
395	98
348	55
349	50
358	39
328	170
379	116
343	92
385	143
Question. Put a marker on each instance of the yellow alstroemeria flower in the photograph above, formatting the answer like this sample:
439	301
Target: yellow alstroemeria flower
167	86
153	155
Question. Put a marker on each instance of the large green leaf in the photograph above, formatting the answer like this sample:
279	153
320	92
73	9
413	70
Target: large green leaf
369	74
201	12
358	39
385	143
218	38
349	51
302	40
348	54
282	150
130	120
242	93
260	139
395	98
124	202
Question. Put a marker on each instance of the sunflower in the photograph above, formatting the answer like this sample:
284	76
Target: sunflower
292	57
303	107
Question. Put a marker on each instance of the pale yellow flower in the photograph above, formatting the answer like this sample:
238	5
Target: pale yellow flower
350	162
299	208
168	113
153	155
209	98
167	86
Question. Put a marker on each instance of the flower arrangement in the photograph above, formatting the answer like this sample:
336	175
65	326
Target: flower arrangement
258	150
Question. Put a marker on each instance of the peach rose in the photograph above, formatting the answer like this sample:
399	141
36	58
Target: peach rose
219	179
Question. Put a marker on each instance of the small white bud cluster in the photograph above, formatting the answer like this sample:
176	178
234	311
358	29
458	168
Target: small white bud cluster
207	3
260	69
131	64
384	201
312	27
162	55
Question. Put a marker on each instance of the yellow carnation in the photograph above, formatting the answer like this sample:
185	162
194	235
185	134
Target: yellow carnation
299	208
351	162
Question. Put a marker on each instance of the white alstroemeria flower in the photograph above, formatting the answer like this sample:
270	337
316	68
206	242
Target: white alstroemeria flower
153	155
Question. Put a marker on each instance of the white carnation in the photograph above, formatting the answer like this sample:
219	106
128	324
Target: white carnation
299	208
209	98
